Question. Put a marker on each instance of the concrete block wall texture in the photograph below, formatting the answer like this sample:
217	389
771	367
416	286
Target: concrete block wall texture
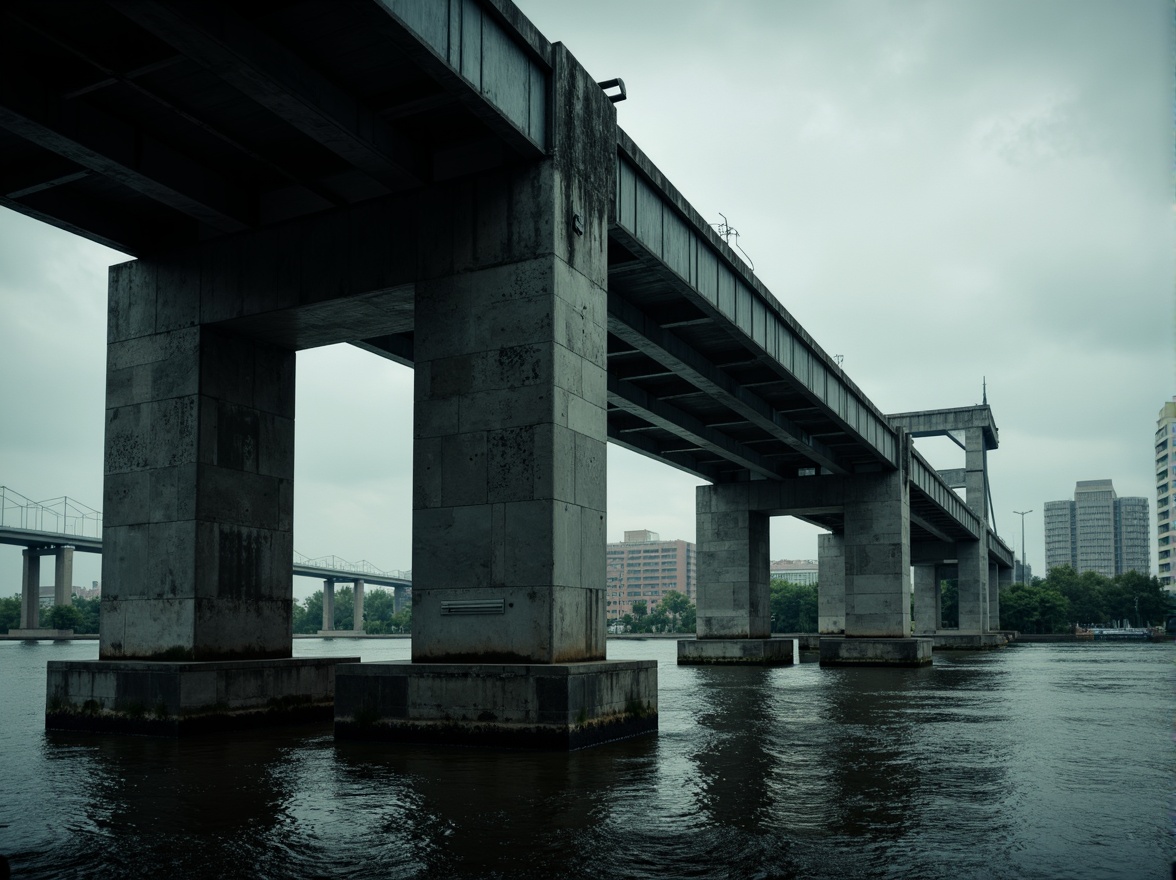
732	562
972	559
927	600
831	584
877	558
198	492
510	401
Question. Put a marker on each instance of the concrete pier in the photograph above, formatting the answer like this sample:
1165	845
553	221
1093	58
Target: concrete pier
509	592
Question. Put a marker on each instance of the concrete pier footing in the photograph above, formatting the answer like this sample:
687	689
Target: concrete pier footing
40	633
736	652
942	641
175	699
554	706
875	652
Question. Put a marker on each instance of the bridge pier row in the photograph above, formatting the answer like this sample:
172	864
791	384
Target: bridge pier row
196	625
30	590
874	549
509	458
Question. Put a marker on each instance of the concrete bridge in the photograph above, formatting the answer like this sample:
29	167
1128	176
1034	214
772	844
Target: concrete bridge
441	185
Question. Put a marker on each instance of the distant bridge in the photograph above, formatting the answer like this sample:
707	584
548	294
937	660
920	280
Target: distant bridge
61	526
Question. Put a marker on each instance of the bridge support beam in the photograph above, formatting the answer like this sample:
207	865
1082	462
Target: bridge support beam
734	608
63	575
831	584
874	549
328	607
357	597
198	511
972	558
994	596
30	592
928	600
509	587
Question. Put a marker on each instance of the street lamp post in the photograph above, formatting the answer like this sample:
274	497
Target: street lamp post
1021	513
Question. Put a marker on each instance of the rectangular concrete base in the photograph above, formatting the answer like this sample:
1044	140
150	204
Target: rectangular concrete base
875	652
736	652
175	699
968	641
560	706
40	633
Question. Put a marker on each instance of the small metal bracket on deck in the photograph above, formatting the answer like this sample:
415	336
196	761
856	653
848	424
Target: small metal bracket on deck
617	83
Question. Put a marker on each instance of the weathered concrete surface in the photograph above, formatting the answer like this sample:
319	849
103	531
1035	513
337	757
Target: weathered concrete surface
556	706
509	446
927	600
875	652
831	584
198	494
737	652
174	699
949	641
732	557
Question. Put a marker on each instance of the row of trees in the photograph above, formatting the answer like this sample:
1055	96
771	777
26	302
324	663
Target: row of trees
675	613
1063	598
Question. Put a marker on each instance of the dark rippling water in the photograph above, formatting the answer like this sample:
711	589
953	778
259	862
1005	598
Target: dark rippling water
1039	761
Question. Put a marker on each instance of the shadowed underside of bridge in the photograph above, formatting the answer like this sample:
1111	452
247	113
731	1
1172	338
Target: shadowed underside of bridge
295	174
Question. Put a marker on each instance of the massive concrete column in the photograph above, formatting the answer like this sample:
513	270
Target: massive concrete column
357	617
973	586
927	600
198	499
831	584
509	456
973	583
197	505
30	593
734	608
63	575
878	558
399	597
732	560
328	605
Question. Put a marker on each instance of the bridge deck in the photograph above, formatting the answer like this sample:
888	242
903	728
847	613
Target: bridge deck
149	126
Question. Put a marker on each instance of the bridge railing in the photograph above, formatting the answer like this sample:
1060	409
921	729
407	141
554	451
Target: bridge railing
63	516
336	563
650	210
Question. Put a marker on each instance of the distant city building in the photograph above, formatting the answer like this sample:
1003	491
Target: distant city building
1098	531
643	568
795	571
1166	490
1022	573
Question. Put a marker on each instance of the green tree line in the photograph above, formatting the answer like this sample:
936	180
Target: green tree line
675	613
1062	598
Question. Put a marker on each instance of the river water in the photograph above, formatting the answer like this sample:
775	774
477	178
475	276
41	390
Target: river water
1038	761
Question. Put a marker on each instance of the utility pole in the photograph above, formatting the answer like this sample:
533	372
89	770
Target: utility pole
1021	513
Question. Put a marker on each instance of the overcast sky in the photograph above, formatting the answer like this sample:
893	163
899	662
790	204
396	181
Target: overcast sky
939	191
